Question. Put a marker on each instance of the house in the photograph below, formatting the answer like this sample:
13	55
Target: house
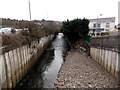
102	25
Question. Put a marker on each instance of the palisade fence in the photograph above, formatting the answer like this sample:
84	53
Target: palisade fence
15	63
106	51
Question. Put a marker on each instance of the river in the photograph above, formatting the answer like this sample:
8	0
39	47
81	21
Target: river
45	71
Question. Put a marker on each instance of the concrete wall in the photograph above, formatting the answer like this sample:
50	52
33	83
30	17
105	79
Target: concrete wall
16	63
108	59
114	33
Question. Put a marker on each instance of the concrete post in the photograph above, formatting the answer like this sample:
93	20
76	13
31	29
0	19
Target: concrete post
119	58
119	69
119	44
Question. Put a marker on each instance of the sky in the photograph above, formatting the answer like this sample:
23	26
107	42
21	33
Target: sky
58	10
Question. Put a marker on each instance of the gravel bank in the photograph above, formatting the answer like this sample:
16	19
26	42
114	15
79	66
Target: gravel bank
80	71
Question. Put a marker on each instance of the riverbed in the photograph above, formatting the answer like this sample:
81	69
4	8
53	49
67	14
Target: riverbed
44	73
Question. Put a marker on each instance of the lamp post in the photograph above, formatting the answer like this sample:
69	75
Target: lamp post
97	22
96	25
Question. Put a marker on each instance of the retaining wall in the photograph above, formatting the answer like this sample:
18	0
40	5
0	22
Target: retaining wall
17	62
107	58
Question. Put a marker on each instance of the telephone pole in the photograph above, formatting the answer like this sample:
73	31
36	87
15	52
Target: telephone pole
119	12
29	9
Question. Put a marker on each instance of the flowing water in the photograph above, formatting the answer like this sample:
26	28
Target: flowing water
44	73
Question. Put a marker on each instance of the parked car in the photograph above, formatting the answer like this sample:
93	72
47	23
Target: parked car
7	30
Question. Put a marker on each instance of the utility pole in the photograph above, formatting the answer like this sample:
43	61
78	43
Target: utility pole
29	9
47	15
118	26
118	44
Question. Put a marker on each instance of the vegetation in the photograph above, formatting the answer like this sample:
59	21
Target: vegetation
13	40
31	30
104	33
75	29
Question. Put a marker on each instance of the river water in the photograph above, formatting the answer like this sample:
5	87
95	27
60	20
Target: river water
44	73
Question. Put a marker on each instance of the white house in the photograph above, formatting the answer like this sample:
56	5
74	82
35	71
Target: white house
102	25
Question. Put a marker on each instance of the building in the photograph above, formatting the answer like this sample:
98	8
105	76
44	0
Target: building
102	25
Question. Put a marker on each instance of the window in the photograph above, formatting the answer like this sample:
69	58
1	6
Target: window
94	25
107	25
107	30
98	25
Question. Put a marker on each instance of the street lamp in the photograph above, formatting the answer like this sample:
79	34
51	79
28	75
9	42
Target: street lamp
97	23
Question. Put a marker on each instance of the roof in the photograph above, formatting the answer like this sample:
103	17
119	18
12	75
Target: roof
103	20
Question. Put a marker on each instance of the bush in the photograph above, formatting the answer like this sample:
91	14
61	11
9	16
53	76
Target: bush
102	34
98	34
75	29
106	33
35	31
12	40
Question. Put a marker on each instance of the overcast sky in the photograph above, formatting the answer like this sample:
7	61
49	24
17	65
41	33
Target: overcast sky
58	10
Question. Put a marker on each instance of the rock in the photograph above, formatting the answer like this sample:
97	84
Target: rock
69	85
81	76
89	85
58	79
55	83
78	84
80	71
61	83
73	86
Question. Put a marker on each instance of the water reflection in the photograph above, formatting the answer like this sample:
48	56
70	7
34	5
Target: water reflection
44	74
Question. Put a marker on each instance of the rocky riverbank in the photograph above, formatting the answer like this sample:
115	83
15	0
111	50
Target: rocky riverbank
80	71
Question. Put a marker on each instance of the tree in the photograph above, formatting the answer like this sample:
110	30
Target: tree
115	27
75	29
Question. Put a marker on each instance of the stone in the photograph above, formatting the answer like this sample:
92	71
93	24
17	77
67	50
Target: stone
78	84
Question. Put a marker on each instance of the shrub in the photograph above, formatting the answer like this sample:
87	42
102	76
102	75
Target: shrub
106	33
75	29
35	31
102	34
98	34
